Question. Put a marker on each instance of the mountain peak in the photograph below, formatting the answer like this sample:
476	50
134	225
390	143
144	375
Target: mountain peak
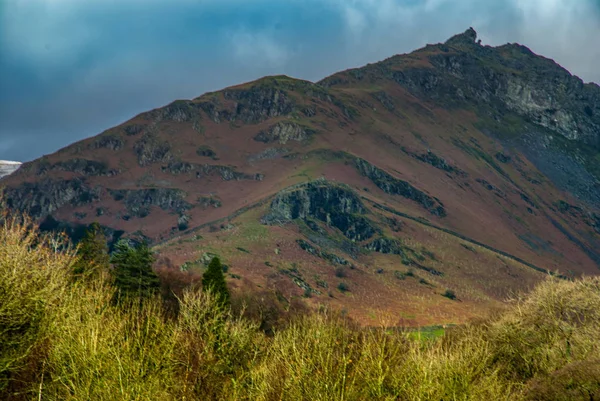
468	38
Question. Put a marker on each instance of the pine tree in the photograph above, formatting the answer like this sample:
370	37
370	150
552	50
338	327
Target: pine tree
134	278
92	254
213	280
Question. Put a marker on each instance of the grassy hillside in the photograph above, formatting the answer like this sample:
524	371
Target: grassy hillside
64	339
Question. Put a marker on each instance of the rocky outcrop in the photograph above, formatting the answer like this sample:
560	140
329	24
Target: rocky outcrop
332	258
284	132
206	202
227	173
8	167
514	78
259	103
150	149
250	105
394	186
434	160
138	201
108	141
46	196
83	167
269	153
206	151
134	129
178	111
336	205
409	256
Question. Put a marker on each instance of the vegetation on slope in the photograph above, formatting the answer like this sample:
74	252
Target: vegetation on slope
65	339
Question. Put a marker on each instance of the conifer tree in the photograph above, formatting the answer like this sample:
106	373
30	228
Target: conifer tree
134	278
213	280
92	254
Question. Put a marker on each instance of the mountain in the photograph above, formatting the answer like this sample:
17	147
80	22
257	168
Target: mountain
424	188
8	167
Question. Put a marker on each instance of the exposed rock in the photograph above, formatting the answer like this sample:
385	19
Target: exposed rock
138	201
209	201
179	111
395	247
386	100
333	258
259	103
206	151
134	129
46	196
467	38
502	158
108	141
269	153
150	149
387	246
183	222
80	166
497	191
283	132
394	186
336	205
435	161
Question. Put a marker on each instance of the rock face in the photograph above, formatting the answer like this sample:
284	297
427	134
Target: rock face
394	186
46	196
7	167
283	132
335	205
138	202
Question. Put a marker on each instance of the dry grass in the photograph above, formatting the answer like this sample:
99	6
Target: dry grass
64	340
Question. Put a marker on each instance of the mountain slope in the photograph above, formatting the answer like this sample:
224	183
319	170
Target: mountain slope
458	166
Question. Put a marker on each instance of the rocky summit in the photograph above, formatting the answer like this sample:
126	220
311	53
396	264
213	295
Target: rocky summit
457	169
8	167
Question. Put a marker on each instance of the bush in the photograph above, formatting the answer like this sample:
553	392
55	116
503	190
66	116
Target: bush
340	272
449	294
343	287
61	339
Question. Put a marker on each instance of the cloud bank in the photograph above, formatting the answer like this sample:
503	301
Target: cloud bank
77	67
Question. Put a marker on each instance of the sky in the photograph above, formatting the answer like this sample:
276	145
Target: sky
69	69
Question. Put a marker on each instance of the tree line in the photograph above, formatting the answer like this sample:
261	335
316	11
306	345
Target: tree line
130	268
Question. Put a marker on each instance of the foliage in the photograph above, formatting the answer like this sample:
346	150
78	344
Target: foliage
134	278
92	254
61	340
213	280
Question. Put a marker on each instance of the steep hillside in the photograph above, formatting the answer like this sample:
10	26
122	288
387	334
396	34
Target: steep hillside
457	167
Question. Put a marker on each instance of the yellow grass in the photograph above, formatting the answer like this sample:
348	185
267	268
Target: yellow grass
63	340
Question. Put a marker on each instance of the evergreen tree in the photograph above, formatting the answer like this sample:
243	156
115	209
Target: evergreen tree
92	253
134	278
213	280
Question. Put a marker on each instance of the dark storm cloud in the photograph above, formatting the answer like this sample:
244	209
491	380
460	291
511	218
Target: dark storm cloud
70	69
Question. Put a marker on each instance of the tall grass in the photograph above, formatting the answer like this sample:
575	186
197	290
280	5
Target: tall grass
62	339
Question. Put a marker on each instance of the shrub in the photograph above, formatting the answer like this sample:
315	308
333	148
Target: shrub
343	287
340	272
449	294
34	276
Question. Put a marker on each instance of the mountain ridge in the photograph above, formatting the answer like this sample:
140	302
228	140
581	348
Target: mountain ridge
483	162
